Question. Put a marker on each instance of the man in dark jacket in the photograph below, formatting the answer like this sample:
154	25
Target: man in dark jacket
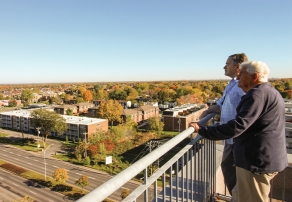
258	131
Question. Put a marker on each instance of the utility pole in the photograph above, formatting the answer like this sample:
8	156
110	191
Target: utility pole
85	142
152	144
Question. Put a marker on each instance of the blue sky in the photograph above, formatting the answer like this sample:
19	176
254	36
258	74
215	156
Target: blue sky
63	41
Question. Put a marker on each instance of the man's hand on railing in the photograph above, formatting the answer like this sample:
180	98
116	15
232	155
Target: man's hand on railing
212	109
195	126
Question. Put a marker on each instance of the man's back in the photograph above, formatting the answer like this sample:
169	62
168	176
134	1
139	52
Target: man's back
264	140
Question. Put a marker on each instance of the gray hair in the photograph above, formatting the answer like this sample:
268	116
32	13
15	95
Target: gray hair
259	67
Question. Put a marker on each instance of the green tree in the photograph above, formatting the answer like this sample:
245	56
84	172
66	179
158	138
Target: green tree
110	110
68	97
86	161
12	103
26	96
132	93
48	122
79	99
79	151
118	94
82	182
155	124
288	85
55	100
81	91
60	175
101	95
69	111
1	96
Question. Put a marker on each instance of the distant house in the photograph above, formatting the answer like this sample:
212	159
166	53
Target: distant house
63	108
31	106
6	102
83	107
97	102
92	112
125	104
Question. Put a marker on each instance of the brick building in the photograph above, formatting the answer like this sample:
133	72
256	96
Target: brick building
179	117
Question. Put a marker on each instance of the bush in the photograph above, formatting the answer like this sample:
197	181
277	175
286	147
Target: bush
86	161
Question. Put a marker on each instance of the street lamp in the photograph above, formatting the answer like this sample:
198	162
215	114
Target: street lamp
44	162
38	129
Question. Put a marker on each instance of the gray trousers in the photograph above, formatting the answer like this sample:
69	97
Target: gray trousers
228	167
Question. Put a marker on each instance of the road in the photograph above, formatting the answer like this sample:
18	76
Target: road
14	187
46	166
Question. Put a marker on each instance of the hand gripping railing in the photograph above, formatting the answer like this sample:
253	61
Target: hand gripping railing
106	189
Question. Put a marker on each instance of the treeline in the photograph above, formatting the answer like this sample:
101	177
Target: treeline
156	91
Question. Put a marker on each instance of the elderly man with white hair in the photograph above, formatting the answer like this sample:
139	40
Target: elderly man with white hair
258	131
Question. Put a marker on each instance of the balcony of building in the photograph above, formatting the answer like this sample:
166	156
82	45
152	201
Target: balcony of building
192	174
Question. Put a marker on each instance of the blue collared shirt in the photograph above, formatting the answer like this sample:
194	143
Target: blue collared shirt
228	103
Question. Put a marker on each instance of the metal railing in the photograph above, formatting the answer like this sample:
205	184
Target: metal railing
189	175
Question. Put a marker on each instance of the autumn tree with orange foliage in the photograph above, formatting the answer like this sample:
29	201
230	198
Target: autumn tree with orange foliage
190	98
87	96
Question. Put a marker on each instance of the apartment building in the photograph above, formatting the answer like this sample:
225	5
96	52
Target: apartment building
18	120
179	117
135	114
84	127
78	127
141	114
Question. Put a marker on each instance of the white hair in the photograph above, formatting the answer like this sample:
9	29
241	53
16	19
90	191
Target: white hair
257	67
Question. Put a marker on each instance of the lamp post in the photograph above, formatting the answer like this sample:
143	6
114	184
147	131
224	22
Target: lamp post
44	162
178	125
38	129
45	165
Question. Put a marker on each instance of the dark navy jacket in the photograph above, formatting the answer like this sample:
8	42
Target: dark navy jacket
259	131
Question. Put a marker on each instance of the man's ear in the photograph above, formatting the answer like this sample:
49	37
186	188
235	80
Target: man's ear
237	68
255	77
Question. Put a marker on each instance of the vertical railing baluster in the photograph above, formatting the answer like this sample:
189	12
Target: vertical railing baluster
170	182
195	171
164	187
145	182
187	177
177	181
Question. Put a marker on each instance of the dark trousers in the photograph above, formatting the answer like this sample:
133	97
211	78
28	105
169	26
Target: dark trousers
228	167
